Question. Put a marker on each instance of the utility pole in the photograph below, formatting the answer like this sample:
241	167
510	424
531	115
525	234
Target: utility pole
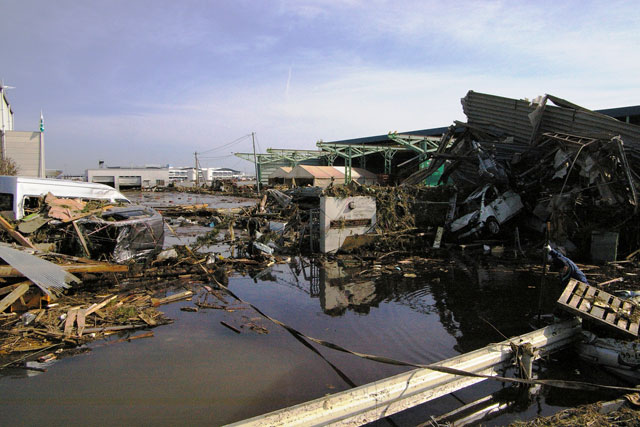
197	171
255	161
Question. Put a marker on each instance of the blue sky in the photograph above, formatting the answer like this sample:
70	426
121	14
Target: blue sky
135	82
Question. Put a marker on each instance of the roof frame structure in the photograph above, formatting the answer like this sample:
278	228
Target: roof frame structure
422	145
274	155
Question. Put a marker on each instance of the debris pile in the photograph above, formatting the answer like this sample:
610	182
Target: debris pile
94	229
569	167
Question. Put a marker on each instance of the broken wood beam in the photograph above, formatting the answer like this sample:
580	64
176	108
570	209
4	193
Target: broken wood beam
96	307
171	298
83	242
16	235
113	328
7	289
8	271
13	296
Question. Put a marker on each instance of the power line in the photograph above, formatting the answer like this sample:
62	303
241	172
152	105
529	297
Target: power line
226	144
216	157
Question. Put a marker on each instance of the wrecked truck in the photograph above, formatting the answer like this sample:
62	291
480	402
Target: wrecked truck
81	218
485	210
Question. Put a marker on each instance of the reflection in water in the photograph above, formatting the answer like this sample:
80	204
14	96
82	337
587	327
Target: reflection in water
338	293
198	369
476	305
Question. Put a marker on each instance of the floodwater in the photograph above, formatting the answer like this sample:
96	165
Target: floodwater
164	199
198	372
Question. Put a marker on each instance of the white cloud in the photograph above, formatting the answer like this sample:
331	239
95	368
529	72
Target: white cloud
361	68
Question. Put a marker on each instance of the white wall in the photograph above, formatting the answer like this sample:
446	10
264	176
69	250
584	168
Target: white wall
146	177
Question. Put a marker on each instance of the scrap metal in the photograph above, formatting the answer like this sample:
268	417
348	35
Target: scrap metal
46	275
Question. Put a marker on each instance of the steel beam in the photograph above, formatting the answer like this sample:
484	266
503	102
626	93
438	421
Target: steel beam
388	396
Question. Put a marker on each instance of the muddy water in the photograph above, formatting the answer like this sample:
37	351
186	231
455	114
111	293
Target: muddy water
164	199
197	371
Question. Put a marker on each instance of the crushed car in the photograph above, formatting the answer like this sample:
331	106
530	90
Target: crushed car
81	218
485	210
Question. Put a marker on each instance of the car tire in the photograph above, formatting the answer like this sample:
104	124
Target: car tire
492	226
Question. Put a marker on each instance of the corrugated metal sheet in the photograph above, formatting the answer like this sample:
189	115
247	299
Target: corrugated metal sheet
384	139
46	275
510	117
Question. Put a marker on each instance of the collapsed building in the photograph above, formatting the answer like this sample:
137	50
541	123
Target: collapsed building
574	171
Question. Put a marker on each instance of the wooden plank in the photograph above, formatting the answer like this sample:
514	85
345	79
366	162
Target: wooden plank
16	235
171	298
623	319
599	298
586	304
576	294
611	316
95	268
8	271
13	296
81	237
70	320
565	298
96	307
7	289
81	320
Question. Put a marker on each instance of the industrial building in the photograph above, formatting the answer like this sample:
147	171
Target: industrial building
127	178
24	148
392	157
123	178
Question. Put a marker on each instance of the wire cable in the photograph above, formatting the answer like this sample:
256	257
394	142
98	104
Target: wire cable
226	144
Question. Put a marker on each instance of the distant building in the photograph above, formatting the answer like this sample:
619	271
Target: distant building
130	178
179	175
25	148
187	176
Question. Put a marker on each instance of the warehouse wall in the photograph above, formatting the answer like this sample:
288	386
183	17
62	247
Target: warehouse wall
26	149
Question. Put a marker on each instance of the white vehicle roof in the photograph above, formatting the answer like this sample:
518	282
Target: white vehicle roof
21	187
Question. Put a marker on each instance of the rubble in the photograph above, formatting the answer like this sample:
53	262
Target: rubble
516	176
572	168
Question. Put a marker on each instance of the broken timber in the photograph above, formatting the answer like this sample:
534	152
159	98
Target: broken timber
388	396
13	296
97	267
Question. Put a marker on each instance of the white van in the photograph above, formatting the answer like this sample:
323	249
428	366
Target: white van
21	195
486	209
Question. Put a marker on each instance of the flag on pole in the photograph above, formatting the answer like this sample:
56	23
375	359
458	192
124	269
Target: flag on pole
41	122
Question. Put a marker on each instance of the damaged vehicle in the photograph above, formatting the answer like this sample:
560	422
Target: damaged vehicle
125	233
486	210
81	218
